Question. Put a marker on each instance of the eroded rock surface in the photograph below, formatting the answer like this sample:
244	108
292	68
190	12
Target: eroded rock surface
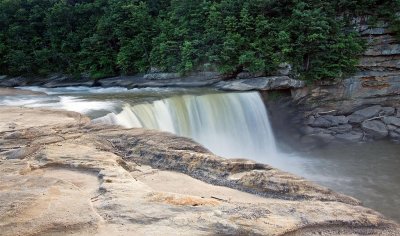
260	83
67	176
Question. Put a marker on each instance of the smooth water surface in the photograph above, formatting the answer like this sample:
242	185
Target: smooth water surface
367	171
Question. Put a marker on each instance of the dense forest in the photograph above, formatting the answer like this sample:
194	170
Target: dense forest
103	38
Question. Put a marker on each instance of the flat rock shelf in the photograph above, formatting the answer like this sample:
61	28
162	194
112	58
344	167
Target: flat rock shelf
60	174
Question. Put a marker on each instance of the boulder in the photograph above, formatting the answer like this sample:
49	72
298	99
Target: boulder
363	114
341	128
374	128
356	118
391	120
388	111
284	82
341	120
322	122
391	127
353	136
329	121
315	130
395	134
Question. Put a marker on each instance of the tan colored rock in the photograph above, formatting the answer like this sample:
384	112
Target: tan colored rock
15	92
87	179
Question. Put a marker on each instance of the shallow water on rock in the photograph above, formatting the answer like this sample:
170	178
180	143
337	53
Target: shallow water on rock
236	125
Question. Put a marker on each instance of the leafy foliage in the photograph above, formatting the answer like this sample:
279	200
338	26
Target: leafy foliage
107	37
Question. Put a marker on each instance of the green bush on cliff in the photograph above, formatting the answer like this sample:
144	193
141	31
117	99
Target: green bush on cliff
109	37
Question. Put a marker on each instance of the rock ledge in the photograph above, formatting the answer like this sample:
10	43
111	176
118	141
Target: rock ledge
60	175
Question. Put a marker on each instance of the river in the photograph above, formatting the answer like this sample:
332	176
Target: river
236	125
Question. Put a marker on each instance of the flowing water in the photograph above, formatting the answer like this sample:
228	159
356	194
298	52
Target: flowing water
236	125
228	124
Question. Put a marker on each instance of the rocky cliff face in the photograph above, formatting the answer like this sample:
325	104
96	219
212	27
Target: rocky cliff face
350	104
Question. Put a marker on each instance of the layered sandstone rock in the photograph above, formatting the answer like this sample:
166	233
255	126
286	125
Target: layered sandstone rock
62	175
372	93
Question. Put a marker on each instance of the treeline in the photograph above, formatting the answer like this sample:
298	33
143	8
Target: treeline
108	37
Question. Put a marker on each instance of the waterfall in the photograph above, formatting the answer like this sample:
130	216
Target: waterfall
232	125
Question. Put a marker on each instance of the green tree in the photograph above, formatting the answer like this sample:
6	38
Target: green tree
108	37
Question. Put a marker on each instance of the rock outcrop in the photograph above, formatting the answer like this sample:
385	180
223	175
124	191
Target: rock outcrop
373	122
201	79
372	93
245	82
260	84
60	175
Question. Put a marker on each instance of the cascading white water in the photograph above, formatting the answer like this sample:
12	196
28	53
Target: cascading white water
229	124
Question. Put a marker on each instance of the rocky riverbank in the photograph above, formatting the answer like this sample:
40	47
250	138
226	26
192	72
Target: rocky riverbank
60	175
363	107
159	80
372	122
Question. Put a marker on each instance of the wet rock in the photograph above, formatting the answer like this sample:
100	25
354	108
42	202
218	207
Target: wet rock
363	114
310	120
341	120
391	120
329	121
341	128
395	134
375	128
307	130
356	118
316	130
387	111
352	136
323	122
